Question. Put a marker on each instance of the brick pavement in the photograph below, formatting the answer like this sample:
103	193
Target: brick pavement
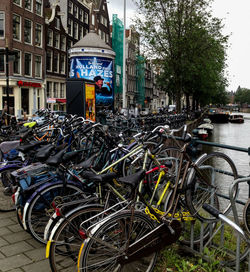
19	252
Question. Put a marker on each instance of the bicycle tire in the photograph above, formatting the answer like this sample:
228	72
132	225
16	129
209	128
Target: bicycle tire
67	241
115	231
204	185
6	190
169	154
246	216
194	223
133	163
40	208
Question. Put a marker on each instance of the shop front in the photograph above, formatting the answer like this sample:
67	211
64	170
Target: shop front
25	97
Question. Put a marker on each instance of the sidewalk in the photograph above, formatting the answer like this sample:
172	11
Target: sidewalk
19	252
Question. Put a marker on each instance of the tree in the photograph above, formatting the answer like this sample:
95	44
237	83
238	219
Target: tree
186	41
242	96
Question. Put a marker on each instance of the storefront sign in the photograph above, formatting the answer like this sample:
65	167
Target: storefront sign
51	100
99	69
21	83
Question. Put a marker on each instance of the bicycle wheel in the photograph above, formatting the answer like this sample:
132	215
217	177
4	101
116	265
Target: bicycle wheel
134	163
169	155
208	182
246	216
6	190
67	240
40	208
106	250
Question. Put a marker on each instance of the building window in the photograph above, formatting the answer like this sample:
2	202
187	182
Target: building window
38	35
57	23
57	38
80	32
49	89
63	43
38	66
70	7
27	64
28	4
75	30
49	61
55	62
2	24
17	2
86	18
62	92
75	13
105	22
93	19
56	89
39	7
107	38
2	63
70	43
62	64
50	37
27	31
81	15
17	63
16	27
70	27
11	91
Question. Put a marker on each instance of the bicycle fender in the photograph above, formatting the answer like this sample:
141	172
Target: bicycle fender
29	201
61	220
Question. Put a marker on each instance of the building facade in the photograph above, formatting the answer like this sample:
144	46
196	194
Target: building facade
40	33
65	24
22	31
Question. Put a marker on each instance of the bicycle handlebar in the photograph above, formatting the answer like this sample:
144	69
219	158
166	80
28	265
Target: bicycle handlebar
223	218
211	210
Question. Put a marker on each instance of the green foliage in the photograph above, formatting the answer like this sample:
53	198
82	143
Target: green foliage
186	44
242	96
172	259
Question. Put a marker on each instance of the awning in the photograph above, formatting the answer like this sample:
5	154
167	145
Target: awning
61	100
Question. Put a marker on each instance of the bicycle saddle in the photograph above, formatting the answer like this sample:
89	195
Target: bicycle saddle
85	164
89	175
57	159
134	179
44	152
27	147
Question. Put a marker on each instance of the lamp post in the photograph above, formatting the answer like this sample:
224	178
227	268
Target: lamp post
124	102
7	53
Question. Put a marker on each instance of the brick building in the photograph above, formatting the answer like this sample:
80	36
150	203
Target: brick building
21	30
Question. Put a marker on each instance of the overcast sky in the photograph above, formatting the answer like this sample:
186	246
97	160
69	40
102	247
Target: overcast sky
235	15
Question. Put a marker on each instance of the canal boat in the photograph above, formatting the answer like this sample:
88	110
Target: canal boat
218	116
207	125
202	134
236	118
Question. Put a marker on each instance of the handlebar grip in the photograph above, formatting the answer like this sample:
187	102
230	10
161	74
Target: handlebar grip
211	210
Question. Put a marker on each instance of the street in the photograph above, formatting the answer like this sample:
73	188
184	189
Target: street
19	252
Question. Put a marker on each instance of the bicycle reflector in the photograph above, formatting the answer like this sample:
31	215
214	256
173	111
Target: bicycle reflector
82	234
58	212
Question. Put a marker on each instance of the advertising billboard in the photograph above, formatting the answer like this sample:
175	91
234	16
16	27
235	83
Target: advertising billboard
99	69
90	101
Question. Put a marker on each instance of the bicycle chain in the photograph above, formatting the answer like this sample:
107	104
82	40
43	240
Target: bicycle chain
179	216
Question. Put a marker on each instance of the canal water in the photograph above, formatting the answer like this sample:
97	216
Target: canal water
234	135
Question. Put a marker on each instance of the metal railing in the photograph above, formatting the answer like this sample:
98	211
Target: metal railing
217	232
